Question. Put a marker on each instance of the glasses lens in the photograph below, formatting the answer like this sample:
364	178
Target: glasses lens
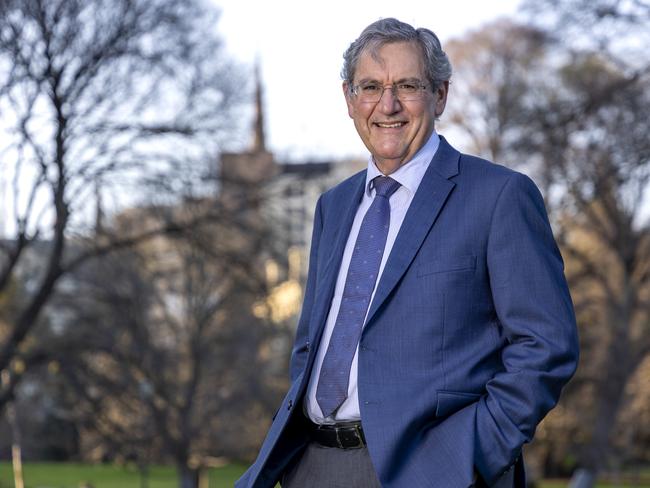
372	93
408	91
369	92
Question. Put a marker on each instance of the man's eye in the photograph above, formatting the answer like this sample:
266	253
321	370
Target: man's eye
370	88
407	87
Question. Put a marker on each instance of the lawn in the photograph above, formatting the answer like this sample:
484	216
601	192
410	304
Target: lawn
565	483
70	475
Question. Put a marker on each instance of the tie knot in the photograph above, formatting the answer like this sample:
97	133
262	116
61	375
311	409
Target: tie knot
385	186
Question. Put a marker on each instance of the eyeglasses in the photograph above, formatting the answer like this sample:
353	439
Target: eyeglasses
371	92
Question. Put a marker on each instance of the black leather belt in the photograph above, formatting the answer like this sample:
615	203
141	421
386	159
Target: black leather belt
348	435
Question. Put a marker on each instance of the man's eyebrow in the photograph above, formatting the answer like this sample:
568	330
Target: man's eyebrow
368	80
412	79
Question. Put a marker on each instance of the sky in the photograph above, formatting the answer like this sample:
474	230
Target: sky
300	45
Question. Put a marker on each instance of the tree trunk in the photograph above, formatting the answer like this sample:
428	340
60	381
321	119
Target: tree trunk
583	478
608	402
187	477
144	475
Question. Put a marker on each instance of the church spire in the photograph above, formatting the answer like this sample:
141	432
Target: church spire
99	209
259	142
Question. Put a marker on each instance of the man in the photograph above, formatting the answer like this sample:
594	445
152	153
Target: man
437	329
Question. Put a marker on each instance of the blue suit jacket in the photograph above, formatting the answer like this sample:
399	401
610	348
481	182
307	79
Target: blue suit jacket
469	339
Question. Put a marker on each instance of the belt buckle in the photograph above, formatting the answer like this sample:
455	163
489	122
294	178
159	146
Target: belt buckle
357	435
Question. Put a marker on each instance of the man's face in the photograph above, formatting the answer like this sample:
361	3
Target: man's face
394	130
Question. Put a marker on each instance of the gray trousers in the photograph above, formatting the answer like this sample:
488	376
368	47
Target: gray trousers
325	467
328	467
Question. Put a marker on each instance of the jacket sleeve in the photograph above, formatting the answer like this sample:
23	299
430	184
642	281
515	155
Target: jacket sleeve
301	344
533	305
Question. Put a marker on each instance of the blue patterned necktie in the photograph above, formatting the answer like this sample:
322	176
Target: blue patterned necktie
333	381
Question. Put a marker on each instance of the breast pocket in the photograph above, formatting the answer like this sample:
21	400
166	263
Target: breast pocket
452	264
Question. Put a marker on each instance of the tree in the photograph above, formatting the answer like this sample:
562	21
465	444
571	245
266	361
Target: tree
118	101
595	151
580	121
166	360
494	70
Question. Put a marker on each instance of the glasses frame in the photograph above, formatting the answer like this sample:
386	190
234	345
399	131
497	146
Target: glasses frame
420	88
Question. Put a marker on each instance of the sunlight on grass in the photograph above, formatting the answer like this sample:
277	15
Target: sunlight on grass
72	475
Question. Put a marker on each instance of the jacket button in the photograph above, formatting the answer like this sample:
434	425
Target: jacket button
290	404
308	347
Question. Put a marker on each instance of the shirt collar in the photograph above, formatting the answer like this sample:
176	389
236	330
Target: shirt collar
409	175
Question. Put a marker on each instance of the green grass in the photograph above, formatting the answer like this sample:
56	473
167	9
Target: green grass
71	475
565	483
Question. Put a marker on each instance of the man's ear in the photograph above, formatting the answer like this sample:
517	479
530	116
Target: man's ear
348	98
441	98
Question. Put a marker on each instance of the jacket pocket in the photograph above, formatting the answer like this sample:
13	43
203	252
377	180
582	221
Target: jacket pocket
452	401
445	265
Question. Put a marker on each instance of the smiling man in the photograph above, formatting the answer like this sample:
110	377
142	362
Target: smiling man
396	125
437	329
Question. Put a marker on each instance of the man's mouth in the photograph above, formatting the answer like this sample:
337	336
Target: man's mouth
390	125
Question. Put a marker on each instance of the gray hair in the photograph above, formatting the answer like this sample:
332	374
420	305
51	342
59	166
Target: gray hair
385	31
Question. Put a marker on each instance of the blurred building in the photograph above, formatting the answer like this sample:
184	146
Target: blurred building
287	193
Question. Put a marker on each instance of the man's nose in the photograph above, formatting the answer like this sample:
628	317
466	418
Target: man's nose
389	103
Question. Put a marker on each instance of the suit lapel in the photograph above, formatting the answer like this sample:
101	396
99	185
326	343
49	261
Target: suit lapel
425	207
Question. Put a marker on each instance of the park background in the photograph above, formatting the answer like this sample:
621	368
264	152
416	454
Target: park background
157	178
